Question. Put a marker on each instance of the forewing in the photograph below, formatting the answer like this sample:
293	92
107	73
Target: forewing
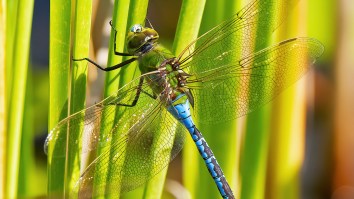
94	127
233	90
234	38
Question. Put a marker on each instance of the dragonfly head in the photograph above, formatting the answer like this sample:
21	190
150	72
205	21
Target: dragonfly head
141	39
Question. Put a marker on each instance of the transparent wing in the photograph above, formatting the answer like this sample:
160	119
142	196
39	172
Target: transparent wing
133	143
85	126
236	35
141	153
235	89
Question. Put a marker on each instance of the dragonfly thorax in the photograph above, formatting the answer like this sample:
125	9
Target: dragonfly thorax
174	80
171	71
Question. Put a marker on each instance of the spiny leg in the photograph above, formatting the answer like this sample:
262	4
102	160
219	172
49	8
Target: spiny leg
139	90
115	52
108	68
115	45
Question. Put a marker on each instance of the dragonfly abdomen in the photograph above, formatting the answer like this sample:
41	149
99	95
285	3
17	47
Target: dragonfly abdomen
181	111
211	163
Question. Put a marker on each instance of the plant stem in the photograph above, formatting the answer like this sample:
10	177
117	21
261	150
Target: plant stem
81	41
3	108
59	69
288	124
20	64
119	22
11	20
253	162
125	14
27	161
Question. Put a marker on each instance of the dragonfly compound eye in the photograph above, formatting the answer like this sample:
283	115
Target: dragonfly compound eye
136	28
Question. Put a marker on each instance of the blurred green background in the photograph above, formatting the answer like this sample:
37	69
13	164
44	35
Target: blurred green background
303	149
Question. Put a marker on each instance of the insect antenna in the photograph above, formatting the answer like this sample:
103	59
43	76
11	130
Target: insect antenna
148	21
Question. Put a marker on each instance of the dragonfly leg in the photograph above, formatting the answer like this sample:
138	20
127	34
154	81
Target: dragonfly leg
115	52
139	90
115	38
108	68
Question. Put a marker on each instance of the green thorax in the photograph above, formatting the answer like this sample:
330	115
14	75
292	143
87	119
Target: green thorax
164	76
151	60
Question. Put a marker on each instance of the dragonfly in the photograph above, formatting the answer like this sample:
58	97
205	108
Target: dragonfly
137	131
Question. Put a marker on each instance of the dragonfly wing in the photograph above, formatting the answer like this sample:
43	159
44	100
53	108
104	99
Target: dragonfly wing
72	127
133	143
269	71
138	155
235	37
86	127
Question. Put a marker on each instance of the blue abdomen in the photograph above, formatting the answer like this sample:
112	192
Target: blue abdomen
180	109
